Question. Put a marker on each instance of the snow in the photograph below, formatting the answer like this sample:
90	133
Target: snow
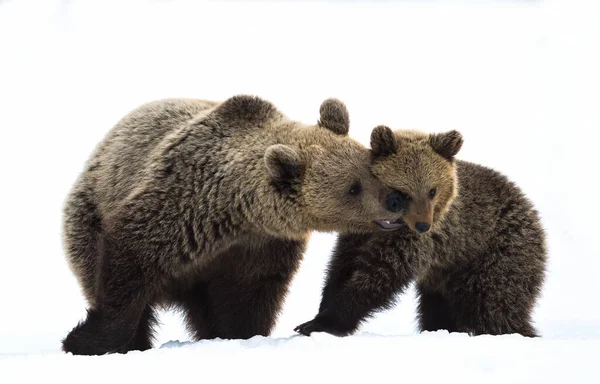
519	79
365	358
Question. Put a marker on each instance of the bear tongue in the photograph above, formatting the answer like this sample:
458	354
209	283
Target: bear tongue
387	224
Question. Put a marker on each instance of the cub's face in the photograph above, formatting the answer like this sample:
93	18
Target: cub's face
328	177
421	168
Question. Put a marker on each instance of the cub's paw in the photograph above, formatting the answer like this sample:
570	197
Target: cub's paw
309	327
321	324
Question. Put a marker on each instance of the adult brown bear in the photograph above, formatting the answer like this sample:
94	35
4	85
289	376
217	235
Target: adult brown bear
207	206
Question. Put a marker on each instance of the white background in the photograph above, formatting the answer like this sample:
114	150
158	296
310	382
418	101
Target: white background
519	79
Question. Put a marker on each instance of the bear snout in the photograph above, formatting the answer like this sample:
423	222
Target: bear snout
394	202
422	227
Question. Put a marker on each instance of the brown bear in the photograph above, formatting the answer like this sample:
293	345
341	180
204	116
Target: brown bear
207	207
469	239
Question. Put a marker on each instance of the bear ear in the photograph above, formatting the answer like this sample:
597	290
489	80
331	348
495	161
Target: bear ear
246	110
383	141
334	116
446	144
283	164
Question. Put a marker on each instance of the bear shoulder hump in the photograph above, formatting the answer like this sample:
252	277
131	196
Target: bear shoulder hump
245	112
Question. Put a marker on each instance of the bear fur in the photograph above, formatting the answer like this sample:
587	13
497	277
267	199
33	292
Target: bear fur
207	207
469	239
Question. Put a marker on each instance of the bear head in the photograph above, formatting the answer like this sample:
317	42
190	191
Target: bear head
326	174
421	168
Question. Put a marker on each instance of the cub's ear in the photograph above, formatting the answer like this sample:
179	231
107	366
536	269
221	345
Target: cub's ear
334	116
283	164
245	111
446	144
383	141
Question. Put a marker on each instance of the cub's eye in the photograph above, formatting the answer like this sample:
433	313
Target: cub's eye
432	192
355	189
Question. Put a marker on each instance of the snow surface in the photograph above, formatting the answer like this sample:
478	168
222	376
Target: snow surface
519	79
366	358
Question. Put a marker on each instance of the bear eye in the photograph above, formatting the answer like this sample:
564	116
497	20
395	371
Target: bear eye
432	192
355	189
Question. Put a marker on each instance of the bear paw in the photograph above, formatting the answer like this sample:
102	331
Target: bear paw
321	325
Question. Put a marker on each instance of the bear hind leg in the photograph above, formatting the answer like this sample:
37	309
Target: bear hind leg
144	336
496	294
121	320
81	227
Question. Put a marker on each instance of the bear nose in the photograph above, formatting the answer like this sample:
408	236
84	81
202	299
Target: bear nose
422	227
394	201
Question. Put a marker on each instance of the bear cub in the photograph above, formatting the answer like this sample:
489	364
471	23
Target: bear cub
207	207
469	238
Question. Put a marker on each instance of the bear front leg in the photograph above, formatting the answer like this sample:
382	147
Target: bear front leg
361	280
433	311
121	320
245	291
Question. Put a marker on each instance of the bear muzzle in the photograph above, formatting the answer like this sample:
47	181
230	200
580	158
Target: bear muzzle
389	225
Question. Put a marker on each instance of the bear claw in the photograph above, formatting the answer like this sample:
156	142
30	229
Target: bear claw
310	326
